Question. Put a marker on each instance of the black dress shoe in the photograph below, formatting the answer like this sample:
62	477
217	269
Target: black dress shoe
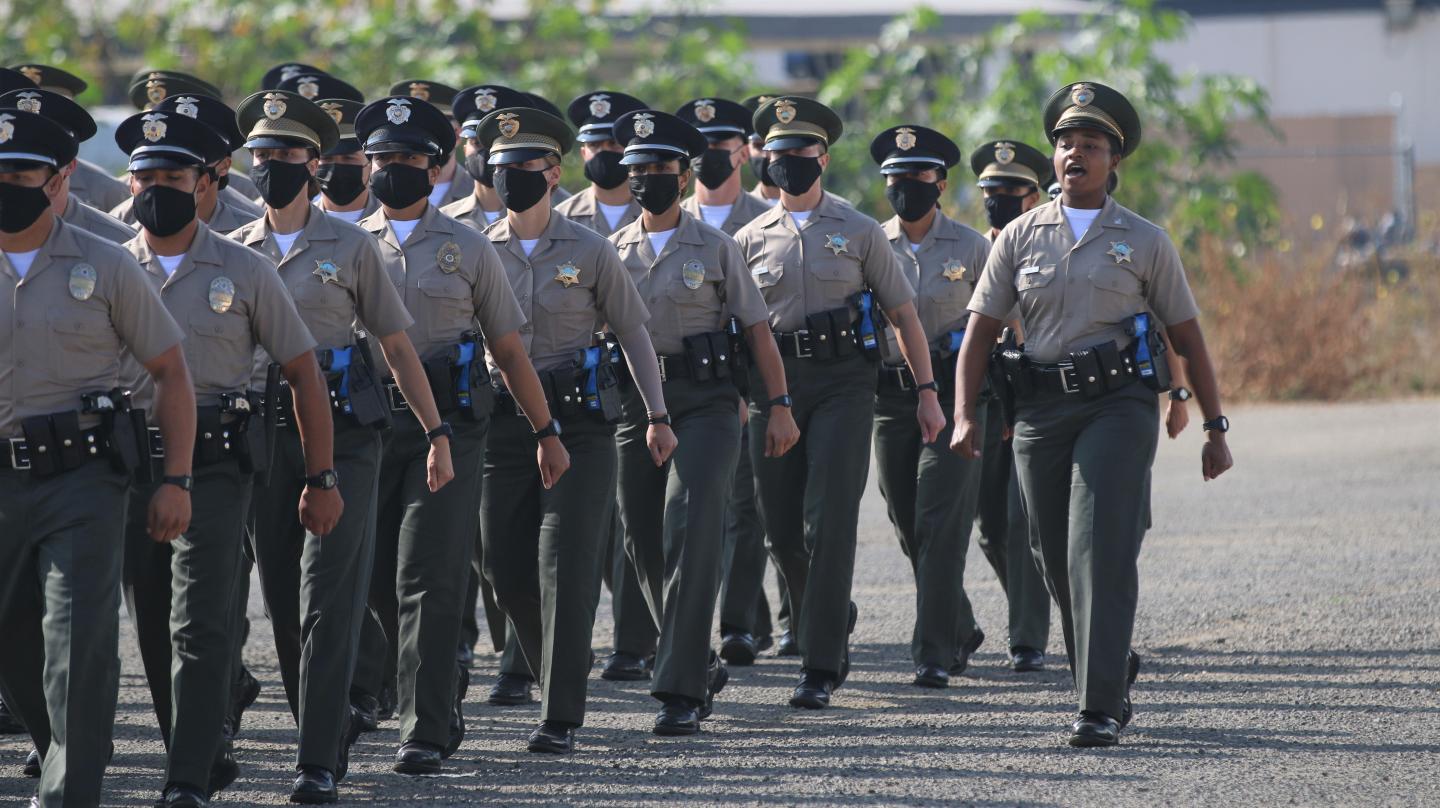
1026	660
510	689
1094	729
787	645
552	738
719	676
813	692
679	716
457	719
9	724
366	710
314	786
739	648
932	676
32	763
623	667
179	795
764	642
417	757
243	693
962	656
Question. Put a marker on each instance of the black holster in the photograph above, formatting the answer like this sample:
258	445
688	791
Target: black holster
369	402
832	334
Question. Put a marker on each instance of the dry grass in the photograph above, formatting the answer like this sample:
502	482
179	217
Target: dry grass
1288	329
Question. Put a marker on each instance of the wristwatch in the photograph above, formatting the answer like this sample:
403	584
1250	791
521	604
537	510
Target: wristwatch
323	481
442	431
663	418
930	385
549	430
184	482
1219	424
780	401
1180	394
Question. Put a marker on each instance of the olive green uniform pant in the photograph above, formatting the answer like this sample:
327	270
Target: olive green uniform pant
1084	469
423	545
743	604
544	550
1004	537
635	632
674	519
61	541
810	498
930	493
181	597
315	586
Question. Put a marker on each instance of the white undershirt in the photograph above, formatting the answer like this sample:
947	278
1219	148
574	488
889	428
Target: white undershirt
170	263
800	217
491	215
404	229
351	216
1080	219
528	245
659	239
715	215
770	202
285	241
613	213
22	261
437	194
914	247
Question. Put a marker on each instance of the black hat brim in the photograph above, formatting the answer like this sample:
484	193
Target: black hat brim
510	157
791	142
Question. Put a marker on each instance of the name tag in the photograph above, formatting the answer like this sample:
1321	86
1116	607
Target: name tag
760	270
1030	270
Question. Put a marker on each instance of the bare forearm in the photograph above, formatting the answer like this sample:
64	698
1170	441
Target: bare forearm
312	413
410	378
913	344
767	359
980	335
1189	344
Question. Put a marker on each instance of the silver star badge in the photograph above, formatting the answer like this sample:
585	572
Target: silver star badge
837	243
1121	252
327	271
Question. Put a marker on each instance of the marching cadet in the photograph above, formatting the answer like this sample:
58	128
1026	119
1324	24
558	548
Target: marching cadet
826	271
150	87
483	207
78	123
545	540
765	189
453	184
453	282
540	102
1010	174
221	208
1087	275
62	408
90	182
284	72
343	174
720	201
605	206
181	593
693	281
930	493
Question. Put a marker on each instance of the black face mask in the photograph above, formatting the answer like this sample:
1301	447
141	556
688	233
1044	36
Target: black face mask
1002	209
655	192
164	211
715	168
912	198
341	183
795	174
21	206
400	186
759	166
223	181
604	170
520	190
480	170
279	182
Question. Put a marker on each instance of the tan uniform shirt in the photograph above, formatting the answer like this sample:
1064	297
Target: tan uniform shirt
96	188
231	212
836	253
570	286
93	221
943	271
744	211
583	208
449	278
694	286
1074	296
334	274
228	300
64	325
468	210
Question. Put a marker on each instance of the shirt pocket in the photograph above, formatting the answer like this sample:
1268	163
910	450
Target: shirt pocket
767	273
1032	280
840	274
219	349
1115	294
83	341
447	294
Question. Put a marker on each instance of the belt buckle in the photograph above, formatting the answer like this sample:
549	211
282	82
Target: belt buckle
157	444
397	398
802	348
904	379
1065	374
664	374
19	454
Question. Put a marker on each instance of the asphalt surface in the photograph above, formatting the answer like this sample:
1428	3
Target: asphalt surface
1289	621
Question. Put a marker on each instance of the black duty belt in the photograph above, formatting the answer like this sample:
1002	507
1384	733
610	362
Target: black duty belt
17	450
896	377
673	366
1062	377
397	398
797	344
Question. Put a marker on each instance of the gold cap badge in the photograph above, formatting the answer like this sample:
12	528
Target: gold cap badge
600	105
274	107
509	124
334	110
32	72
155	88
29	102
704	110
420	90
187	106
785	110
1082	95
485	99
154	127
644	125
905	138
7	129
1004	153
399	111
308	87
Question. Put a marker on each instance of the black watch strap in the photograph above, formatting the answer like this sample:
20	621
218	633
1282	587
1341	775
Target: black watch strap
551	429
663	418
1217	424
930	385
780	401
184	482
442	431
1180	394
324	481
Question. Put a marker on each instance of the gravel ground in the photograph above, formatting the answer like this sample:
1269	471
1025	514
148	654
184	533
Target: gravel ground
1288	622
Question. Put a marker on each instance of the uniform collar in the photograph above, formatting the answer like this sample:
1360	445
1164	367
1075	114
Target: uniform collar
687	231
943	228
318	227
202	249
430	221
59	244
